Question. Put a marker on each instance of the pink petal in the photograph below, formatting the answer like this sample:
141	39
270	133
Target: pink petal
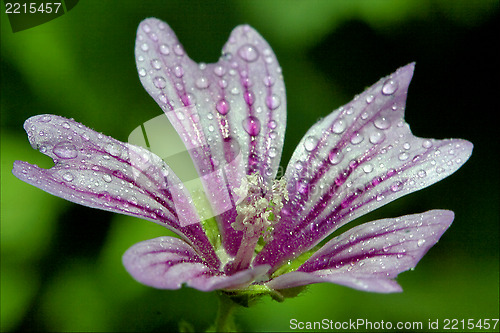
168	263
231	115
369	256
98	171
360	157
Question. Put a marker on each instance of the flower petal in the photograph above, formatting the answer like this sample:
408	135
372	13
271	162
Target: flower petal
98	171
168	263
359	158
231	115
369	256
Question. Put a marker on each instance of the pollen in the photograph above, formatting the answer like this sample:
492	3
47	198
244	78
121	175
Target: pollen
260	206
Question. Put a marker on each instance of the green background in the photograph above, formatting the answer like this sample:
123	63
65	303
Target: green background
61	263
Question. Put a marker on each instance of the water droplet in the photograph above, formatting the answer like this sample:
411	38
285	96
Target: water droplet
252	125
403	156
45	119
156	64
369	98
427	144
202	83
273	102
106	178
65	125
222	107
376	137
113	149
159	82
310	143
338	126
144	47
65	150
382	123
249	98
273	151
422	173
397	186
272	124
368	168
178	50
178	71
142	72
146	28
389	87
219	70
164	49
68	177
420	242
268	81
356	138
335	156
248	53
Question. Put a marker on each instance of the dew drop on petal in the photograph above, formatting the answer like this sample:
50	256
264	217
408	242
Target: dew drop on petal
159	82
397	186
420	242
219	70
403	156
142	72
368	168
427	144
369	98
68	177
156	64
106	178
382	123
310	143
65	150
201	83
178	50
422	173
113	149
164	49
376	137
356	138
390	86
252	125
248	53
338	126
273	102
335	156
178	71
222	107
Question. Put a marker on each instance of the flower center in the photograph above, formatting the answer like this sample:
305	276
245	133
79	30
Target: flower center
258	211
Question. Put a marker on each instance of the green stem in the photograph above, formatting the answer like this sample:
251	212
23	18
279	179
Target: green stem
225	321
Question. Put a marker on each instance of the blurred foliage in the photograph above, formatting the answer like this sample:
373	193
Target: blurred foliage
61	264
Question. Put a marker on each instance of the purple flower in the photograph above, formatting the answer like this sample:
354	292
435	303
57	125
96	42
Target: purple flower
231	116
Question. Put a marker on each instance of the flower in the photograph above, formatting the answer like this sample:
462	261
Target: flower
231	116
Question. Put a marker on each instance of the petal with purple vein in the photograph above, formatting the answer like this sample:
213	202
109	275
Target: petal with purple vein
357	159
168	263
230	114
98	171
369	256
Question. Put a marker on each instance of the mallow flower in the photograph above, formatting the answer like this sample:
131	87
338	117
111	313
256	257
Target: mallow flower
267	235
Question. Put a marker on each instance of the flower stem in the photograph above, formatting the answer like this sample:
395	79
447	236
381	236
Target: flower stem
225	321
